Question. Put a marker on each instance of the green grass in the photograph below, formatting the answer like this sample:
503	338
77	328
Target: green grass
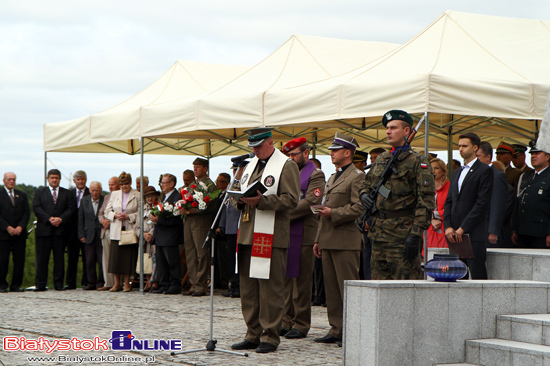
30	267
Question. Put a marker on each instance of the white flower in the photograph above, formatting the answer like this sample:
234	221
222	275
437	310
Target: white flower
202	206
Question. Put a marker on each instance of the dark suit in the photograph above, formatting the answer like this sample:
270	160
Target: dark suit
532	214
75	246
469	210
14	216
167	237
497	211
90	228
49	237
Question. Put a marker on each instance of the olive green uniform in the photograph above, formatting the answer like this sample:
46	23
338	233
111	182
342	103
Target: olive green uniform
196	226
406	211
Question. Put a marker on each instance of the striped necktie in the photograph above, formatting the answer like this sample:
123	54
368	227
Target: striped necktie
12	197
55	195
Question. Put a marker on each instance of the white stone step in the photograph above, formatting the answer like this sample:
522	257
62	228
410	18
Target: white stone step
529	328
456	364
500	352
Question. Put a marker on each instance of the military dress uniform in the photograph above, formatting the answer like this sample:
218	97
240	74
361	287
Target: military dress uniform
196	226
340	241
406	211
298	290
532	215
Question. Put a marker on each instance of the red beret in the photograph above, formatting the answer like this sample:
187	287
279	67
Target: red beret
291	145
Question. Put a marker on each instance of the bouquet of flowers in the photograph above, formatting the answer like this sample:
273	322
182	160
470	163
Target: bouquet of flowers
196	197
165	210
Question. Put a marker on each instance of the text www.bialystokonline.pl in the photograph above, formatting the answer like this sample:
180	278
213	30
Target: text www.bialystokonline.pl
88	359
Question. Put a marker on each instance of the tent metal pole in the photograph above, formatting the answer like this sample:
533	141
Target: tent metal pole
427	153
450	153
45	167
141	213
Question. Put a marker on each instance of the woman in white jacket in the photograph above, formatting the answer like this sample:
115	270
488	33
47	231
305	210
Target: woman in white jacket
123	212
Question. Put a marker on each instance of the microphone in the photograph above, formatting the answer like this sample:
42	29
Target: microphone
242	157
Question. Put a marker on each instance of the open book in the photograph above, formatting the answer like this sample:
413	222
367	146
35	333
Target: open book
250	191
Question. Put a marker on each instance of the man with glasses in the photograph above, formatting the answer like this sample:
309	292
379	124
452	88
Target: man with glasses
300	257
167	237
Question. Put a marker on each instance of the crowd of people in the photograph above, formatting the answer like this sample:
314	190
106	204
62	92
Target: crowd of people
290	242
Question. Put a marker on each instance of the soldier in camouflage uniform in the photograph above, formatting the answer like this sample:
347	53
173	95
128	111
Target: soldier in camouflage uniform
399	220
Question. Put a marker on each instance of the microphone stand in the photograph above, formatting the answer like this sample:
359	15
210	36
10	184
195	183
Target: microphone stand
211	344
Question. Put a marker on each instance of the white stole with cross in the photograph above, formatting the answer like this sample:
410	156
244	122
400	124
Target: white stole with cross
264	220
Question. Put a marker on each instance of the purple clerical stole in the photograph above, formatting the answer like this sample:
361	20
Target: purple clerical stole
297	227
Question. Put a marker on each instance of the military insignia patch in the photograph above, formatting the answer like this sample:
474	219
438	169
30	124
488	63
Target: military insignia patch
244	179
424	165
317	192
426	182
388	116
269	180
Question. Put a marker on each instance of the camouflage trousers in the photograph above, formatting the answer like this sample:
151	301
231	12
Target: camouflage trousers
388	263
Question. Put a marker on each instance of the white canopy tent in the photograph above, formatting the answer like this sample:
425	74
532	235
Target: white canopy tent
301	59
117	128
470	72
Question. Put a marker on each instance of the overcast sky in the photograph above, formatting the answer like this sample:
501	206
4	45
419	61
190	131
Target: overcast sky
60	60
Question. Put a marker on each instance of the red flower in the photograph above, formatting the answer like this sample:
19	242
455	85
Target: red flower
193	186
194	204
183	192
206	199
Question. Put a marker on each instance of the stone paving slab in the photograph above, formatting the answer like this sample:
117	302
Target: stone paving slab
88	314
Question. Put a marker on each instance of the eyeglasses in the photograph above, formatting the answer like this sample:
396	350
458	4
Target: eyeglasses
295	154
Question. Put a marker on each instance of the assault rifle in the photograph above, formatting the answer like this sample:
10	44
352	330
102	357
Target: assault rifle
369	207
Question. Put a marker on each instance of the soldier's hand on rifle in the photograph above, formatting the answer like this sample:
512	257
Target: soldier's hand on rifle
367	202
412	247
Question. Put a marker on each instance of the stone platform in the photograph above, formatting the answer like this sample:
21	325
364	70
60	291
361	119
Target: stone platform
421	323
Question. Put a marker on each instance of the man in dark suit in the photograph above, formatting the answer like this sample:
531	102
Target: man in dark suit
54	207
498	205
14	216
89	233
167	237
532	214
468	204
74	246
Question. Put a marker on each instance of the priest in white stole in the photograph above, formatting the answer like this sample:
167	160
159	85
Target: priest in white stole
263	237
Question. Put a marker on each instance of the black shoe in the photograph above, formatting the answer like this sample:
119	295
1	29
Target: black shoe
294	334
89	287
172	291
60	288
339	343
327	339
317	302
160	290
236	294
40	288
245	345
69	287
228	293
265	347
283	331
16	289
2	290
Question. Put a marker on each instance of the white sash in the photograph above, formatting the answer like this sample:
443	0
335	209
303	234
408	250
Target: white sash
264	220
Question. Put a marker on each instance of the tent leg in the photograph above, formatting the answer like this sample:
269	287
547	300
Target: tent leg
450	153
141	206
45	167
426	147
